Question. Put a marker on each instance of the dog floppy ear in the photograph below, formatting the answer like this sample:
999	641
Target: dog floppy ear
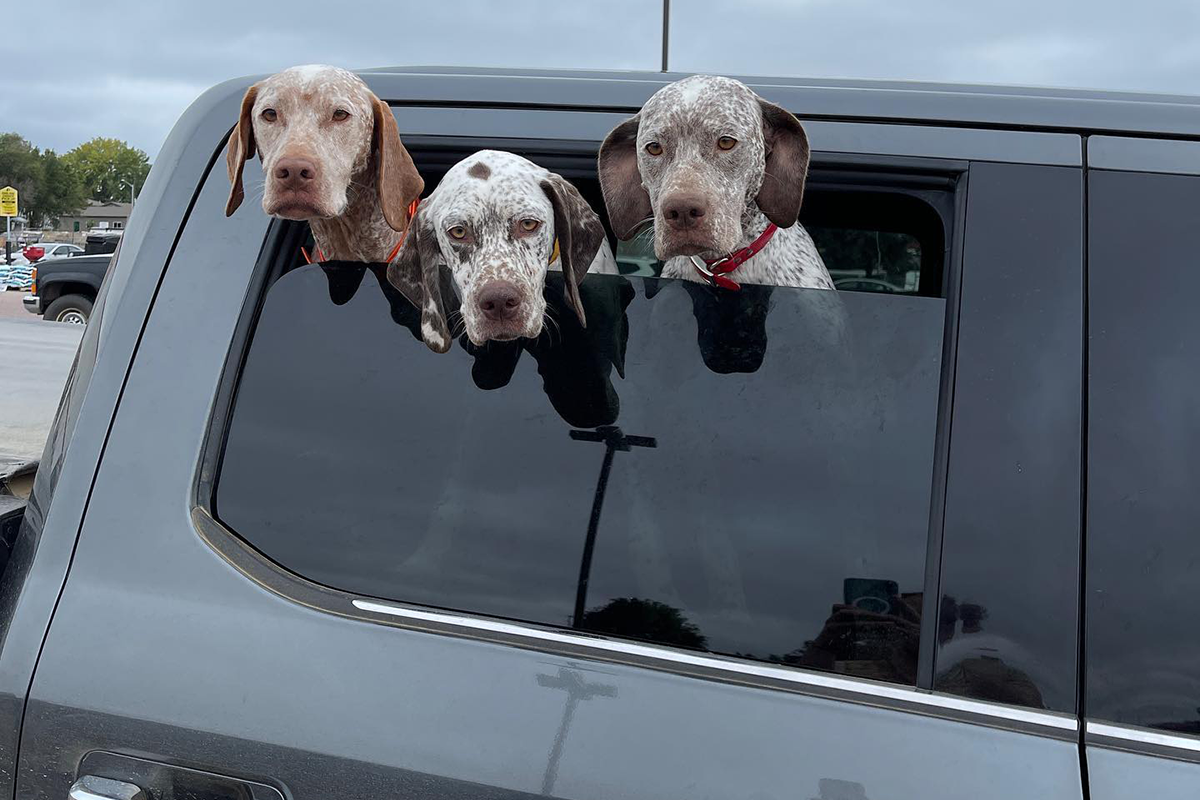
625	198
787	165
241	148
396	176
580	234
416	273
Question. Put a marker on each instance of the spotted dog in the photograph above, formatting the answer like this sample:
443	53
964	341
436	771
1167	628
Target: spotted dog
332	155
721	172
499	222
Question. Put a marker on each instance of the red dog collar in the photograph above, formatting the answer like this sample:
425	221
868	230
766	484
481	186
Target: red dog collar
715	271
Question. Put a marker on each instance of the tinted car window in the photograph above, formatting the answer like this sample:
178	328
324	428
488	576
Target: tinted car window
1143	551
768	492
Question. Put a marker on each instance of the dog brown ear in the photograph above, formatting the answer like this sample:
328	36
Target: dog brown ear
625	198
580	234
241	147
396	176
415	272
787	165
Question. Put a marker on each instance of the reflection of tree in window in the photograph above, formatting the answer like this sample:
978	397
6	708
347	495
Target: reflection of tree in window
649	620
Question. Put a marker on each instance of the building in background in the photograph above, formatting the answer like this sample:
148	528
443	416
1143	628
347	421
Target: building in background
96	215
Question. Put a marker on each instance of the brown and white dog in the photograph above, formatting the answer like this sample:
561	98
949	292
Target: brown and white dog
499	222
331	156
715	166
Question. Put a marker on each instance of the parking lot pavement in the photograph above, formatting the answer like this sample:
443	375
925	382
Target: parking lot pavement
10	304
35	357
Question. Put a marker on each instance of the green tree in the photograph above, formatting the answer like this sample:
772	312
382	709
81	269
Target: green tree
636	618
20	166
58	191
105	167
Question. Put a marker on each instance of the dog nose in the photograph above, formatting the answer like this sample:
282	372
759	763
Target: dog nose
295	173
684	211
499	300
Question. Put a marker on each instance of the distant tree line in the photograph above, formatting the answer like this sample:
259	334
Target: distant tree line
52	186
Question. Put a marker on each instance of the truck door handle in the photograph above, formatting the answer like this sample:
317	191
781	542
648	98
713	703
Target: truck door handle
93	787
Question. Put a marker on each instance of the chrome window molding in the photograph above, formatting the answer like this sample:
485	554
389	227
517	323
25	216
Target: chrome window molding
576	644
1148	741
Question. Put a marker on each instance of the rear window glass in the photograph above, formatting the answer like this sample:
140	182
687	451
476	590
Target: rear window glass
746	473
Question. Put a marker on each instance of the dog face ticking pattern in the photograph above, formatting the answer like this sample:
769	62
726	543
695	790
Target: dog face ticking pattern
494	220
699	157
328	145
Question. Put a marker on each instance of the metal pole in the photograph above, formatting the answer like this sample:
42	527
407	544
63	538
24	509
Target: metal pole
8	240
613	440
666	30
589	547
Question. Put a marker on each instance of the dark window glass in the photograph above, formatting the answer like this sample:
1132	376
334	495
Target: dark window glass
768	491
1143	553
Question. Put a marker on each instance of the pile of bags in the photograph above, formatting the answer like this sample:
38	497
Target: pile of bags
16	275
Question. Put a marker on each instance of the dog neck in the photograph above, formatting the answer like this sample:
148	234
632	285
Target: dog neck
754	222
360	233
789	259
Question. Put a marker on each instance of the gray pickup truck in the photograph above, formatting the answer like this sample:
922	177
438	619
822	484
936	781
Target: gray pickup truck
276	548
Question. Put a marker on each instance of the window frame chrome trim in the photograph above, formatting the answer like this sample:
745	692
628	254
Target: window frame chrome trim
1145	741
908	699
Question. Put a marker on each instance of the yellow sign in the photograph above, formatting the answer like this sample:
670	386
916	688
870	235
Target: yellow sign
8	202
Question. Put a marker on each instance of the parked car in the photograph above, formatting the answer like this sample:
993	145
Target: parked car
65	289
866	285
278	548
35	252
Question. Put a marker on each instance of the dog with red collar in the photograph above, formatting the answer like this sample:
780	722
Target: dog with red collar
721	172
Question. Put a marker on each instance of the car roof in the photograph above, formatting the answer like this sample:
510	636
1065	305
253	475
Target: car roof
970	105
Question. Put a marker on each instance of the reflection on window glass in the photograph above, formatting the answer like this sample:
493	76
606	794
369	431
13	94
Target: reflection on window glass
746	473
870	261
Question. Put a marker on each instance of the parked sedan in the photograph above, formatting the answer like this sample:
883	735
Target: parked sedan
36	252
866	285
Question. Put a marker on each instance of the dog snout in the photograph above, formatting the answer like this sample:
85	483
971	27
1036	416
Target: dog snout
684	211
295	173
499	301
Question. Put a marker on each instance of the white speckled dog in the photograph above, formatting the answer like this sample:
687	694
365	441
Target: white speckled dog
499	222
331	155
716	167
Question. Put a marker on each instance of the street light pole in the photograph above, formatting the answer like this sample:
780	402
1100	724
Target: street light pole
666	30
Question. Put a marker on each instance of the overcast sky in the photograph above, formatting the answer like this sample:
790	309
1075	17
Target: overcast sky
128	69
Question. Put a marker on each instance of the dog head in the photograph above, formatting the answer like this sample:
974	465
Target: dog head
498	221
318	130
698	158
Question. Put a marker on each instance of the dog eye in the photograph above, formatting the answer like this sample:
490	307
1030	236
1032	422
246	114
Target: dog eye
654	148
269	114
457	232
726	142
530	225
340	114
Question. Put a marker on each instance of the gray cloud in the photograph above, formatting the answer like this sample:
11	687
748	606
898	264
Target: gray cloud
132	80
